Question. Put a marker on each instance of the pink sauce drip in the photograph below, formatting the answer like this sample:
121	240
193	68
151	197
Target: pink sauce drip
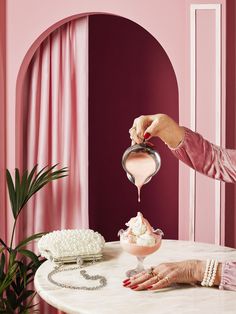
139	192
141	166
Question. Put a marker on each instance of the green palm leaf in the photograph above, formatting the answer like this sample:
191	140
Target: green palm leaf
11	192
2	266
38	178
25	188
9	277
17	188
21	275
11	298
30	254
4	245
24	296
40	185
12	258
29	239
46	177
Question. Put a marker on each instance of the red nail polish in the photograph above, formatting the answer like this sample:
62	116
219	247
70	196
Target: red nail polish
134	287
124	281
147	135
127	283
150	287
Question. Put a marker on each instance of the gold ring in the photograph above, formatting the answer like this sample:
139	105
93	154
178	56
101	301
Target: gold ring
151	272
158	277
167	278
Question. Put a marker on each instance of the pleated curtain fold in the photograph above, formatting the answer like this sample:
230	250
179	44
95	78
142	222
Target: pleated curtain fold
56	130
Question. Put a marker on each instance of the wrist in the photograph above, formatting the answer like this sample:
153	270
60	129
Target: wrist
200	269
173	136
218	275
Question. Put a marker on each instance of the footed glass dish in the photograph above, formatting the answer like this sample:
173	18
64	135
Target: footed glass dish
140	251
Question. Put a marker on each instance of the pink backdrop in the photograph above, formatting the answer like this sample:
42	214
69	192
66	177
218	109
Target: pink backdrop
26	23
167	21
25	32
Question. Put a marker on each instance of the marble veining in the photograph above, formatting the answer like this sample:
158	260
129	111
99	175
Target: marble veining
115	299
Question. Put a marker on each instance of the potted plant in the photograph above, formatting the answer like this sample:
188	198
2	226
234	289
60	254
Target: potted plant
18	264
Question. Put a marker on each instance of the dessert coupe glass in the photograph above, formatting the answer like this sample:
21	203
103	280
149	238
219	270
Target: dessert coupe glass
140	251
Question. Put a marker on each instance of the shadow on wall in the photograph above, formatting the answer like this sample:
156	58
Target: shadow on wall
129	75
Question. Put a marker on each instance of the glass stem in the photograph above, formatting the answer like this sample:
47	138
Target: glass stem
140	266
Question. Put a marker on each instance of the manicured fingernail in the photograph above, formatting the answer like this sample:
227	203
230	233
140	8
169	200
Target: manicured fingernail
134	287
124	281
127	283
150	287
147	135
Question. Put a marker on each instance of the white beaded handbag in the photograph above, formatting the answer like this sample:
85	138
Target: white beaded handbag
72	246
80	246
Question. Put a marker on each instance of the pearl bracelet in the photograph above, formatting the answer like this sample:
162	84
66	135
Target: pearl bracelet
210	273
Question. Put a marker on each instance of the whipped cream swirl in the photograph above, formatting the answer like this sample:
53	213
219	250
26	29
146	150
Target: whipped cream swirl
139	232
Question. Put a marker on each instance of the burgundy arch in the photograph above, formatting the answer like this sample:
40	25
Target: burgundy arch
130	75
142	83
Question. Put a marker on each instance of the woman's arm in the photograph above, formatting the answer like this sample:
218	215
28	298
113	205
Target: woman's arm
207	158
188	146
189	271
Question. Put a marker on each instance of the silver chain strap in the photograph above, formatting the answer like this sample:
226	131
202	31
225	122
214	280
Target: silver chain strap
83	273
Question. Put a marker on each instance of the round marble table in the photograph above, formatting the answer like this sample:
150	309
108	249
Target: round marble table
115	299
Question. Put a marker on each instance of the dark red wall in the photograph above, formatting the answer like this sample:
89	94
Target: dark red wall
129	75
230	189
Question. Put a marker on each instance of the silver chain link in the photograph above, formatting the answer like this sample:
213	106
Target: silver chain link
83	273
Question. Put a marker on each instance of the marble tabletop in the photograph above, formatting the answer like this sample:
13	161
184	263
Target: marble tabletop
115	299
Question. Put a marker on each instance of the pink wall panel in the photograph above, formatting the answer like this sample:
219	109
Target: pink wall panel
201	201
205	119
187	198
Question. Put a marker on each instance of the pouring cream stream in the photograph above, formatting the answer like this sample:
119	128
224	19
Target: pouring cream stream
141	166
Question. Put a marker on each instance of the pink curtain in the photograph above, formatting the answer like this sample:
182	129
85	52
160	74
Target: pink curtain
56	130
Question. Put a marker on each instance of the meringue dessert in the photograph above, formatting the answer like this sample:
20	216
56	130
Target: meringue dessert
140	239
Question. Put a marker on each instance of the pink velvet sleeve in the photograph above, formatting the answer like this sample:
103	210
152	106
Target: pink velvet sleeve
207	158
228	276
217	163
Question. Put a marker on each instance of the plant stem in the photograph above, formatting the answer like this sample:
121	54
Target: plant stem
13	232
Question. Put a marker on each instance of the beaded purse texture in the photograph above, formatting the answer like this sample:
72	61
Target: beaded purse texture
72	246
